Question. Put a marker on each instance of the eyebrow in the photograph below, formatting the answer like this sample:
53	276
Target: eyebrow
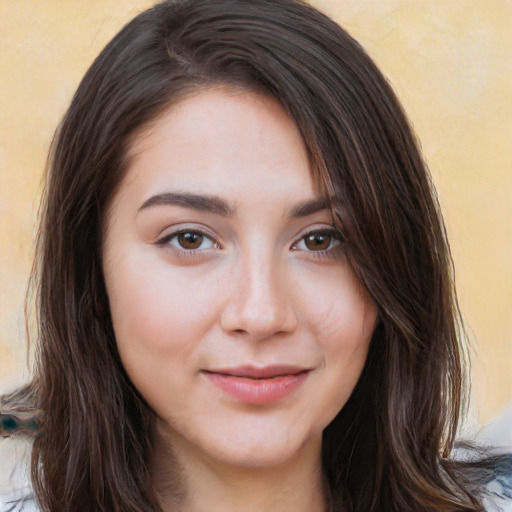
308	208
204	203
214	204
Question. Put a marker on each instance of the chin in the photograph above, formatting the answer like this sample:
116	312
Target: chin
260	447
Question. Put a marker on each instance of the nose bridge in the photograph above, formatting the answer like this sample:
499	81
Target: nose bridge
259	304
262	283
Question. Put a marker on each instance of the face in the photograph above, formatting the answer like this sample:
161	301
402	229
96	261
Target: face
236	314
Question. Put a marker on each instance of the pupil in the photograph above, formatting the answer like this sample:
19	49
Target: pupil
318	242
190	240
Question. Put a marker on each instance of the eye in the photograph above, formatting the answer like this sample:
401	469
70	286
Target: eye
318	241
188	240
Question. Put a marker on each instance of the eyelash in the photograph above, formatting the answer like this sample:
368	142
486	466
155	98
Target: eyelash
330	252
166	239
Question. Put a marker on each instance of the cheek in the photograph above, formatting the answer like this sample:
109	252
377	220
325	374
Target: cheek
157	308
338	310
349	322
345	344
342	320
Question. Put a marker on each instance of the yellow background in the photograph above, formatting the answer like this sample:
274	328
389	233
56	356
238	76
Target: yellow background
450	62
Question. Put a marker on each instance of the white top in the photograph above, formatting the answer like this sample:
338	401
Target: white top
15	489
16	492
498	434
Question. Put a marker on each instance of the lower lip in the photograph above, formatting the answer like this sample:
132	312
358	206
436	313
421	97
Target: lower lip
257	391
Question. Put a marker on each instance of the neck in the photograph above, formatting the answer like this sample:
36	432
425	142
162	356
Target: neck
192	482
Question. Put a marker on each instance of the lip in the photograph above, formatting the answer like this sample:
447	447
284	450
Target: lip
257	385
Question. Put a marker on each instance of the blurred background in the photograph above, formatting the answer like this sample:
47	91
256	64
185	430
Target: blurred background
450	63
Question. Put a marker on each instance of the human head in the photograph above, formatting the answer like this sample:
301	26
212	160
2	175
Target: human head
366	162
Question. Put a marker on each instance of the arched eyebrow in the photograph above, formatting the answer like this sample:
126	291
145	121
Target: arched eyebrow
308	208
217	205
204	203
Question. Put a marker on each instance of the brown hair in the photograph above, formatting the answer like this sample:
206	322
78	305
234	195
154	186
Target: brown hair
388	448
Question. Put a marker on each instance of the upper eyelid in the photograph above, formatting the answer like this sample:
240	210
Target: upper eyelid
184	227
326	229
319	229
172	231
168	235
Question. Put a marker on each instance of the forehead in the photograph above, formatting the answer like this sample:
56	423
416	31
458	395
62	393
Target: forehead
222	142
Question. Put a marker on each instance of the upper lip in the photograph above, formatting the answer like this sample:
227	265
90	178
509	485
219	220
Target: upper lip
259	372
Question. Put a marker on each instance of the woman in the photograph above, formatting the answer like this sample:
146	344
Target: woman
244	289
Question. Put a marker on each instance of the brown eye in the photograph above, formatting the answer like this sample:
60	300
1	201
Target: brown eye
190	240
318	241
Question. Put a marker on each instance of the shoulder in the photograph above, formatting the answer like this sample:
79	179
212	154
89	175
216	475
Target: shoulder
497	492
15	490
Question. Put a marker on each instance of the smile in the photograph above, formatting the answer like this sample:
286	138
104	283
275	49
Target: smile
257	386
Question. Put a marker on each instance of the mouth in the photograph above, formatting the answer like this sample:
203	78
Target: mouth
259	373
257	385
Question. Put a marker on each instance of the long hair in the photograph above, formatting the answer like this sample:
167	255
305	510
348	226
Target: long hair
388	449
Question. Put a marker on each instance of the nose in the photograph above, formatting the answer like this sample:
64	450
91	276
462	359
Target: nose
259	304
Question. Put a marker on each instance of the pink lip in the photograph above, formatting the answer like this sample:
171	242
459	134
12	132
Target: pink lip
253	385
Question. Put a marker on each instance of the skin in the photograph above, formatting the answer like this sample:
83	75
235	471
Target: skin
253	290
